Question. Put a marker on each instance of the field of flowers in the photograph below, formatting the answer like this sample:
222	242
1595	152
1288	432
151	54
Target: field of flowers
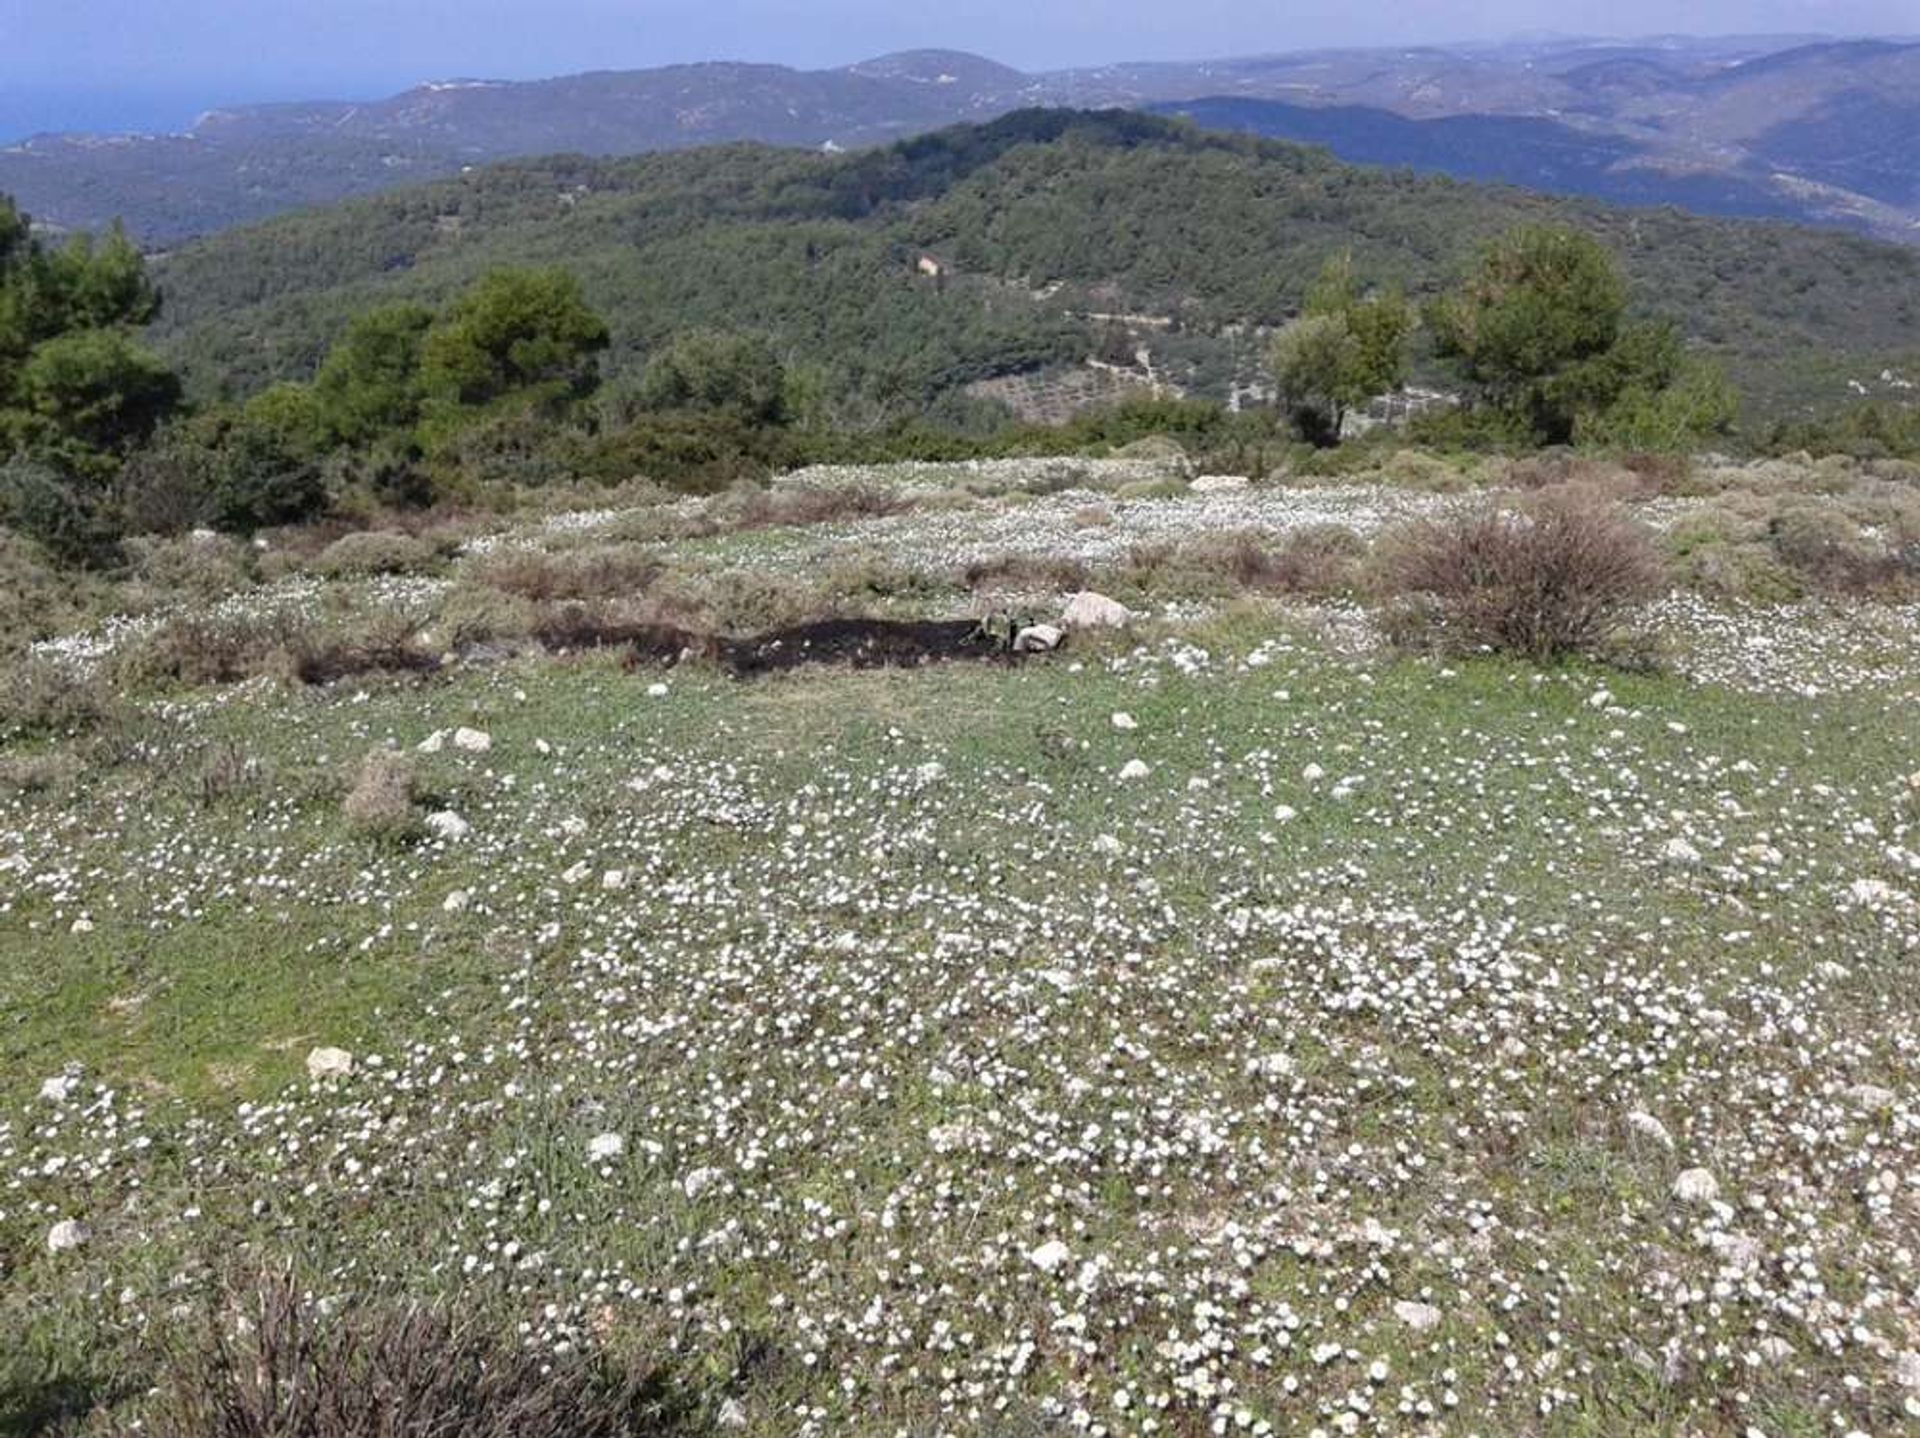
1229	1027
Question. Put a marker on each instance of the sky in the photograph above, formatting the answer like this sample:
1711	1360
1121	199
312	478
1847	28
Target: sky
154	64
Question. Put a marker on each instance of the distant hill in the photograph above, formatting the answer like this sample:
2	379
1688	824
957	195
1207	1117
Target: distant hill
1818	132
1040	222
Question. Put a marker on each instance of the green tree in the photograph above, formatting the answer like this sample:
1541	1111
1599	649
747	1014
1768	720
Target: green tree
371	382
94	389
514	332
712	371
1346	347
1540	332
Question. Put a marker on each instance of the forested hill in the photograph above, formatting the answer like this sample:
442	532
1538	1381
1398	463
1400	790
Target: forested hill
1038	220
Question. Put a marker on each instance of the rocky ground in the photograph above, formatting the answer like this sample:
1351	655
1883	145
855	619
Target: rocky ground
1227	1026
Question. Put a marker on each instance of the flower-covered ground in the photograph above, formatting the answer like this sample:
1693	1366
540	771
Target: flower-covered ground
1216	1030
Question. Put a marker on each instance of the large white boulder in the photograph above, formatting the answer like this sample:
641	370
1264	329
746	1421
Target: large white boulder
329	1063
1087	610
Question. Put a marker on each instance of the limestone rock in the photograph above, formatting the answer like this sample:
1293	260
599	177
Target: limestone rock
1087	610
1037	639
1696	1185
329	1063
472	741
67	1235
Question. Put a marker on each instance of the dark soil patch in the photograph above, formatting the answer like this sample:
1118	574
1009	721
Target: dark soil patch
858	643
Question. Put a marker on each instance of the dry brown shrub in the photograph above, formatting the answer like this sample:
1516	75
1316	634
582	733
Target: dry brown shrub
380	804
597	572
272	1366
1055	573
41	696
1552	578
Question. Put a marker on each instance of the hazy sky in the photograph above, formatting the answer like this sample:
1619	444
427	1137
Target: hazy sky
153	64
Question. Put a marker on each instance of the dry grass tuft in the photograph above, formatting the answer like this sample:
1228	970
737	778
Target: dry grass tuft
380	805
273	1367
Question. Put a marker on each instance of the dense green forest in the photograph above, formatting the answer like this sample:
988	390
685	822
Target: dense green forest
1037	219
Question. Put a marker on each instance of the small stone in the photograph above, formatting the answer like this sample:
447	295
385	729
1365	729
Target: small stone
1906	1370
1600	699
1871	1097
1313	774
1038	639
1647	1126
1420	1317
83	925
67	1235
60	1089
658	691
577	874
456	902
1049	1255
733	1414
433	743
1107	845
604	1146
1774	1349
1680	853
1124	721
1285	813
1087	610
472	741
614	880
1134	769
1696	1185
699	1181
448	825
329	1063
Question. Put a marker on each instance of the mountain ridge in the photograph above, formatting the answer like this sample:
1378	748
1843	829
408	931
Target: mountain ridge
1817	132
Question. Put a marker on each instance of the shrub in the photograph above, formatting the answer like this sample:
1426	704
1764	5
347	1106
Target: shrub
40	696
1547	580
385	1372
201	564
196	649
375	551
1028	572
380	804
598	572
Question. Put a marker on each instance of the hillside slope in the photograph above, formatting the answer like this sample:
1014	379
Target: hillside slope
1039	220
1815	131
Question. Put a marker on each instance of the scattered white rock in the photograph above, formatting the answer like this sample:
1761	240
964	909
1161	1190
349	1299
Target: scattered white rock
1696	1185
1107	845
1134	769
1600	699
604	1146
433	743
614	880
329	1063
67	1235
658	691
472	741
448	825
1038	639
60	1089
1124	721
1774	1349
1313	774
1049	1255
577	873
699	1181
1285	813
83	925
732	1415
456	902
1087	610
